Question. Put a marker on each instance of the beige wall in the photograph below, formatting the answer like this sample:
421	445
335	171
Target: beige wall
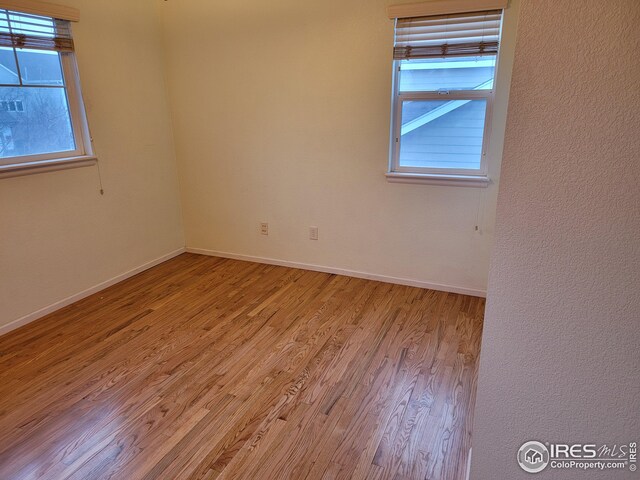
281	115
560	359
58	236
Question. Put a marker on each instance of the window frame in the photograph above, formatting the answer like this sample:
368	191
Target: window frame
83	154
471	177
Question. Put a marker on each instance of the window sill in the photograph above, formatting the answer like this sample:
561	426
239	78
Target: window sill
32	168
478	181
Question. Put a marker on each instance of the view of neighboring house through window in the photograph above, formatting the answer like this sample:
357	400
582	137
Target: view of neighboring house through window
40	112
443	91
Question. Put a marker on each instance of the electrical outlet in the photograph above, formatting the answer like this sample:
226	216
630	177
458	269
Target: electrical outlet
264	229
313	233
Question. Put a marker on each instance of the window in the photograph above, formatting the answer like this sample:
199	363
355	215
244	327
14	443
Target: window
16	106
444	70
42	119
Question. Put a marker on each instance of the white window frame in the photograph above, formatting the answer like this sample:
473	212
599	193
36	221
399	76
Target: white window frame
439	176
83	154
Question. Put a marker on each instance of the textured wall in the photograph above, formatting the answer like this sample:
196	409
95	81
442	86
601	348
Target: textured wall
281	114
560	358
58	236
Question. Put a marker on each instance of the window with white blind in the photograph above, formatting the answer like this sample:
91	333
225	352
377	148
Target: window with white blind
444	70
42	119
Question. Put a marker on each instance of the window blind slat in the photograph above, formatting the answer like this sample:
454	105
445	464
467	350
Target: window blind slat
464	34
461	37
22	30
449	30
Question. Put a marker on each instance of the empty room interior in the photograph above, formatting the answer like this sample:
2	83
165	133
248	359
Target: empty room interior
319	239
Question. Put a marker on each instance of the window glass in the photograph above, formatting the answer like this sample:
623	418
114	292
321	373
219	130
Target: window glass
34	121
8	67
454	73
40	67
442	134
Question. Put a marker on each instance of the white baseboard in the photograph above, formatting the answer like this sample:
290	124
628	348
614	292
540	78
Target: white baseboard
90	291
269	261
341	271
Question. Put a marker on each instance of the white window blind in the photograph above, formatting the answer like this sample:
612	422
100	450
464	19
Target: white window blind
27	31
464	34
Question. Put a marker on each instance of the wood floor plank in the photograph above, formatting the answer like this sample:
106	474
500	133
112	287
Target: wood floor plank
208	368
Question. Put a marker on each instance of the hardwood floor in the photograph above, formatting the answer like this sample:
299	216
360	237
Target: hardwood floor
211	368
